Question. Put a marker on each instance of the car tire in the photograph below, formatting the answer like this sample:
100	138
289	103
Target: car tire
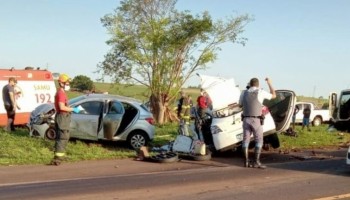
317	121
168	157
205	157
50	133
273	140
137	139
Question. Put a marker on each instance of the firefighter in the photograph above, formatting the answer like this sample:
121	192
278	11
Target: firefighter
185	115
62	119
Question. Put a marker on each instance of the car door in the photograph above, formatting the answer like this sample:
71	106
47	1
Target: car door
112	119
85	124
281	108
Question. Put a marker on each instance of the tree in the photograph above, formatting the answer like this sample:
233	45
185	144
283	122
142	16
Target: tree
155	45
82	83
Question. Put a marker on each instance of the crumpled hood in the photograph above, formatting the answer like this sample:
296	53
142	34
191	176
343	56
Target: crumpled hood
222	92
41	109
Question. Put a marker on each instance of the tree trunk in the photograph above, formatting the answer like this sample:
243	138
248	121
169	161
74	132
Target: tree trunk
162	113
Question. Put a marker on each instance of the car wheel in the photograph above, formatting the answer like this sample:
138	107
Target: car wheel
50	134
137	139
167	157
273	140
205	157
317	121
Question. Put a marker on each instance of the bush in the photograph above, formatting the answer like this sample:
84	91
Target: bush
82	83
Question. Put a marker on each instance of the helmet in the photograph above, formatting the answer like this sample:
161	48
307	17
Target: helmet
63	78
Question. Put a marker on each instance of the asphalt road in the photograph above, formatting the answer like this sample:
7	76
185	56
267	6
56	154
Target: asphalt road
298	175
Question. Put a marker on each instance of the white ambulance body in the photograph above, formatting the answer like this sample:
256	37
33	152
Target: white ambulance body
34	87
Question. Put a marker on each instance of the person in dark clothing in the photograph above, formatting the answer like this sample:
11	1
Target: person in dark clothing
180	102
295	111
8	97
306	118
251	102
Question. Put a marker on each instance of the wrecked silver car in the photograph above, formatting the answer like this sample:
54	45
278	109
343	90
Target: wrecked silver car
103	117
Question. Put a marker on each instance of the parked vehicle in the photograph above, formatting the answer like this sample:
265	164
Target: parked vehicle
34	87
317	116
223	128
106	117
340	109
348	156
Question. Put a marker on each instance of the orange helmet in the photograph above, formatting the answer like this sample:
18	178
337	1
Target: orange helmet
63	78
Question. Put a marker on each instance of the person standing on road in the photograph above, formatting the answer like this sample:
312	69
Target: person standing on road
9	100
251	101
306	117
62	119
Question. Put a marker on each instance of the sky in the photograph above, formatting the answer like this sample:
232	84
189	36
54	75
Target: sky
301	45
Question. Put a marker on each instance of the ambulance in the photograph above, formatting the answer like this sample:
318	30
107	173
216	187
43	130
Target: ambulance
34	87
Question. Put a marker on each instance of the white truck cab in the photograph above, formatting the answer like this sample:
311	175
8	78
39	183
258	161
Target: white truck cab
340	109
317	116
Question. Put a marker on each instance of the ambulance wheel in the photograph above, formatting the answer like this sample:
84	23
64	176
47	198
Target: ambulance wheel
50	133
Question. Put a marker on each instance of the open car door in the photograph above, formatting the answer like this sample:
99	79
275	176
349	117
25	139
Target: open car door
112	120
86	123
281	109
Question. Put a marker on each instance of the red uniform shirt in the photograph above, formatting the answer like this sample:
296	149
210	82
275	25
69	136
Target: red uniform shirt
60	97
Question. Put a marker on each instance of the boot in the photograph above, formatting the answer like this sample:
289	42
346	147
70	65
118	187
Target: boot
56	161
246	156
257	163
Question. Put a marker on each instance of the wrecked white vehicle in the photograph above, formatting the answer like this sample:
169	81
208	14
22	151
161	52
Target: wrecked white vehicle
223	127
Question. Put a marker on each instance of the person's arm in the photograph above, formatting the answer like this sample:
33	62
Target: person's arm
12	99
272	90
63	107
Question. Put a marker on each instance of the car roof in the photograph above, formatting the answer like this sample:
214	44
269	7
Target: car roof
110	96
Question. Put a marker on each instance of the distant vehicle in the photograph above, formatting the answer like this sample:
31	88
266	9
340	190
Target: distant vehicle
103	117
34	87
348	156
317	117
340	109
223	127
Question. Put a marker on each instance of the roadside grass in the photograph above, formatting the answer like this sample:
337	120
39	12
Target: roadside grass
19	149
318	137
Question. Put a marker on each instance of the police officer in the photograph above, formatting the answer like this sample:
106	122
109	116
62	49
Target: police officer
251	100
62	119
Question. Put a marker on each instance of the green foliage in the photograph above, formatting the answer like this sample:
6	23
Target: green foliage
318	137
82	83
155	45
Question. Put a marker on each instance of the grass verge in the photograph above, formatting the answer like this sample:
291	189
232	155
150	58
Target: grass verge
19	149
